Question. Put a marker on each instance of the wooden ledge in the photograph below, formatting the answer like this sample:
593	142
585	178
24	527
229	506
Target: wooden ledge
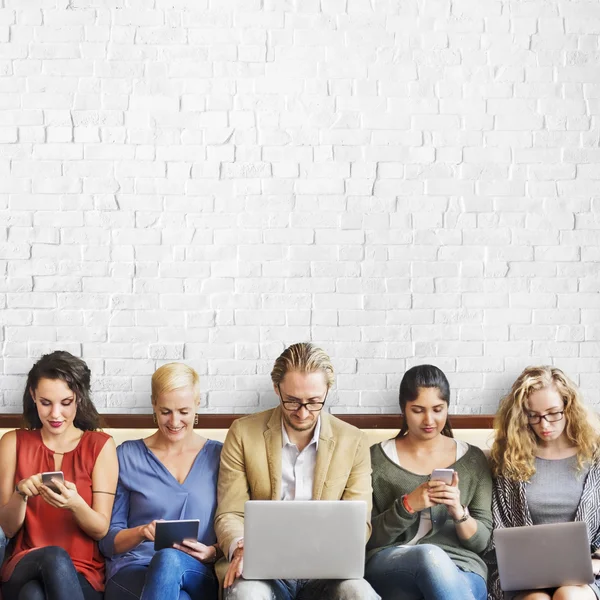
223	421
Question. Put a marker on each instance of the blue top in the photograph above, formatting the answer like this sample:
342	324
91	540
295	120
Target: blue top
147	491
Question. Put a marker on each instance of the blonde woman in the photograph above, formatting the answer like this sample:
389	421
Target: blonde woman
544	460
170	475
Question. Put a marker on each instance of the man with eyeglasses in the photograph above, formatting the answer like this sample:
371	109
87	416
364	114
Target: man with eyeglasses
293	452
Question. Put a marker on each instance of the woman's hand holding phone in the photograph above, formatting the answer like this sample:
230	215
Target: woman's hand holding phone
432	492
419	498
442	493
30	486
68	497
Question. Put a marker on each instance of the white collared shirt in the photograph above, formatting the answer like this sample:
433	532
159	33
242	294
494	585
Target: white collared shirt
298	467
297	470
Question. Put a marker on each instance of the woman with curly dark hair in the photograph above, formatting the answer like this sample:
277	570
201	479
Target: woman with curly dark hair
55	525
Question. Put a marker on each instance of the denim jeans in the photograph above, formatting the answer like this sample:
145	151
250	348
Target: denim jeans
421	571
171	575
300	589
3	542
48	574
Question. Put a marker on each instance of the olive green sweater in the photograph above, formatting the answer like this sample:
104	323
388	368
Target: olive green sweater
394	526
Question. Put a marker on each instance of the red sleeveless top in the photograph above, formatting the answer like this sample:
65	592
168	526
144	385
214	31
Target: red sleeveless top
45	525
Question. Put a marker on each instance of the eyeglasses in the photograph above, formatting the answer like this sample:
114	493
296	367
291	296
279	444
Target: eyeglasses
550	417
295	405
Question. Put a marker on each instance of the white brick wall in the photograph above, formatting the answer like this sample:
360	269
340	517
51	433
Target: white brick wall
210	180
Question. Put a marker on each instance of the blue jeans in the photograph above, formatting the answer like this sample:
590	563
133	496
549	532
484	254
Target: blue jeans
3	543
48	574
171	575
421	572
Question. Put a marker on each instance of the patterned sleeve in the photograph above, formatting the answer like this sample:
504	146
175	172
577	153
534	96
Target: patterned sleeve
501	519
498	513
507	509
590	503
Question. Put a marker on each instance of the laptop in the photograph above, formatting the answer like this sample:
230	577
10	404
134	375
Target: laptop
543	556
304	539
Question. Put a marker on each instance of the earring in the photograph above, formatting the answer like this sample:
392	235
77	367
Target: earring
154	418
196	419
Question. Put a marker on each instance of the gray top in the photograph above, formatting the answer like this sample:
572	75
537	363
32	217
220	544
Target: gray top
554	491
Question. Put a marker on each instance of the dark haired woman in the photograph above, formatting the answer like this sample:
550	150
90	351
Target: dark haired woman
54	554
428	535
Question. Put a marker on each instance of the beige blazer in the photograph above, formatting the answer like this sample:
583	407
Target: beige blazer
251	468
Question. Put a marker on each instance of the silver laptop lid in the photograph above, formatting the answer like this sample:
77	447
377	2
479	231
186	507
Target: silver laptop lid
313	539
543	556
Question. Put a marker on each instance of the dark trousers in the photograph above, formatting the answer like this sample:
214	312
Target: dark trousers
48	574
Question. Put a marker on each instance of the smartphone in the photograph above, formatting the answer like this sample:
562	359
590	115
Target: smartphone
444	475
57	476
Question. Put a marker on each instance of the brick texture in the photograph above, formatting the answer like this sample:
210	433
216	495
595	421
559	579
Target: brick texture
211	180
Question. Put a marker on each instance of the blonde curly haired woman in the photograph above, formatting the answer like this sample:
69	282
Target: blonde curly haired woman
545	466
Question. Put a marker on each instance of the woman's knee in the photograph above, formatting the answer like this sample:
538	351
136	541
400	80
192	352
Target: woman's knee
533	596
429	556
574	592
55	558
420	560
167	558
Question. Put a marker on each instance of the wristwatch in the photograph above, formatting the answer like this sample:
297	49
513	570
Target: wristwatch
465	516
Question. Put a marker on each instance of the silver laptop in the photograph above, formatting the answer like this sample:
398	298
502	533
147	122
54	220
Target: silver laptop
543	556
313	539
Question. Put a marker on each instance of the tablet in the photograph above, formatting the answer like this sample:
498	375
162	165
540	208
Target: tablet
174	532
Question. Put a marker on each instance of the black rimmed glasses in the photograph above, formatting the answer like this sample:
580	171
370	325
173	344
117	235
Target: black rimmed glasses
552	417
295	405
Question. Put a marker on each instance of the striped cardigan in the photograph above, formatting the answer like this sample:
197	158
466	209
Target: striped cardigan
509	509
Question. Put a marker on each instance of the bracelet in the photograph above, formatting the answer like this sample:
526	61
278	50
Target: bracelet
407	506
22	494
217	553
465	516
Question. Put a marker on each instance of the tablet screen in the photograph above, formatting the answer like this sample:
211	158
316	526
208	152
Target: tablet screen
174	532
